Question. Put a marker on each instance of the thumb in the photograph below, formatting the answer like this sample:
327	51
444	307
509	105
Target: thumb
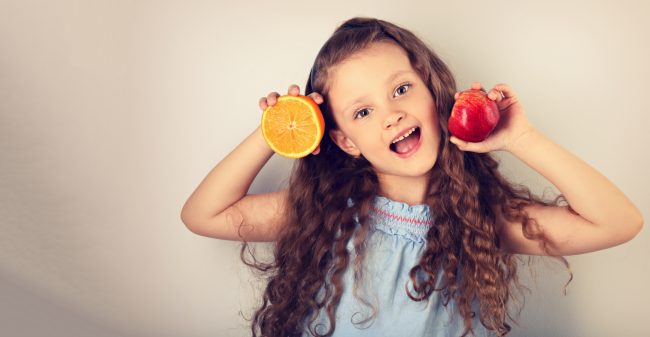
466	146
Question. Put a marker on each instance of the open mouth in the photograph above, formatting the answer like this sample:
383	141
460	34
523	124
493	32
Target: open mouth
407	142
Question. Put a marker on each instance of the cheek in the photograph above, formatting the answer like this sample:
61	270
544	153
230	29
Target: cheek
374	151
375	146
433	123
433	120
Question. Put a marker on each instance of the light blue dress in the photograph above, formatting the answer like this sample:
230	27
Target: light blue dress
396	241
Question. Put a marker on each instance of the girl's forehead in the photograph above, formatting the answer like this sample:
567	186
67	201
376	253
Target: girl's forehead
367	71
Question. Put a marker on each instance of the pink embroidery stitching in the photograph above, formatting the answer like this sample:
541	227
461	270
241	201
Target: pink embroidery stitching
401	218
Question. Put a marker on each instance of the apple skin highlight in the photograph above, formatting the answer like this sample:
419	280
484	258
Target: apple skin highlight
473	116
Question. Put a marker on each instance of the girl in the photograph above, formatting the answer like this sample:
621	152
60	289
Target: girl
394	227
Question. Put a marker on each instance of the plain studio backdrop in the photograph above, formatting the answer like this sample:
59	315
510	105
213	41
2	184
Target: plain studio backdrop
112	112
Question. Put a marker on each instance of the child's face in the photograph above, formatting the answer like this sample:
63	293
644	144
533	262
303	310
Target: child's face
372	109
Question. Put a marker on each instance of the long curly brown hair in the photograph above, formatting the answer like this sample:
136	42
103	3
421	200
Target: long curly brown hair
465	192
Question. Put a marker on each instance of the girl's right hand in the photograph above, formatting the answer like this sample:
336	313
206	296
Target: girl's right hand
294	90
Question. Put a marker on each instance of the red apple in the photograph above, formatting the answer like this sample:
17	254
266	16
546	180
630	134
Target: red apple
473	116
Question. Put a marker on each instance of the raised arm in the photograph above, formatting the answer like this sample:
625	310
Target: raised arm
220	204
606	217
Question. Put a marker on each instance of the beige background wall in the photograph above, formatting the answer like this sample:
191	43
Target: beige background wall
111	112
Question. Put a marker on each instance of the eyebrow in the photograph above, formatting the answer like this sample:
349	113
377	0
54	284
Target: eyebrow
390	79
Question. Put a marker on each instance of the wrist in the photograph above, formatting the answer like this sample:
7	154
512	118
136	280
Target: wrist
523	141
258	137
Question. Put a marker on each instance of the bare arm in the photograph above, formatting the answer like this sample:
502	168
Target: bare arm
606	217
220	204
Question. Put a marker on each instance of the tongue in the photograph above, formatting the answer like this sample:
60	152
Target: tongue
407	144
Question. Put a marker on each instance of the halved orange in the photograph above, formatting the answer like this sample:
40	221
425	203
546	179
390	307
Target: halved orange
294	126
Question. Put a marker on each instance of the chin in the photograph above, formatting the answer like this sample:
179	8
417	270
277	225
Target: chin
424	167
415	169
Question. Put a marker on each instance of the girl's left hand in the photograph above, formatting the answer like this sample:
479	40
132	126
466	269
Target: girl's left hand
513	123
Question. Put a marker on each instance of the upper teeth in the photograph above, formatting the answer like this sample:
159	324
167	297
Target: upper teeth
408	133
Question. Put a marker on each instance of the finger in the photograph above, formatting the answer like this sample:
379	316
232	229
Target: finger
316	97
317	151
263	104
477	86
456	95
272	98
466	146
495	95
294	90
459	143
505	90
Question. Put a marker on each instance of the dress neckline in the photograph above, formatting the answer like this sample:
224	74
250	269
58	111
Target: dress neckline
382	201
396	217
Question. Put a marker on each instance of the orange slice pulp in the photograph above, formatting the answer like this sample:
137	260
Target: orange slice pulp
294	126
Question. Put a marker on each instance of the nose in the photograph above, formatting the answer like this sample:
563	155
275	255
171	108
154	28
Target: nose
393	119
